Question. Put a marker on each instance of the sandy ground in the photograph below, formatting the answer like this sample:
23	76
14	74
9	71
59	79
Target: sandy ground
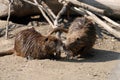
103	66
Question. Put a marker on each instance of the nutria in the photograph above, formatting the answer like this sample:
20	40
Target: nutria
31	44
81	37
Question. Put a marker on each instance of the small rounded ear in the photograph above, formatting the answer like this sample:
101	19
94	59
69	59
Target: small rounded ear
88	23
88	20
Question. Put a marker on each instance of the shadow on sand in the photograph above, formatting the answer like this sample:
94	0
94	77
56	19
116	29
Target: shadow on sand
99	56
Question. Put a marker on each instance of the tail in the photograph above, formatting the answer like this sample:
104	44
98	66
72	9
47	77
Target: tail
60	29
9	52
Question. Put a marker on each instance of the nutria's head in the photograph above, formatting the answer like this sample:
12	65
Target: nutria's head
52	44
79	31
78	37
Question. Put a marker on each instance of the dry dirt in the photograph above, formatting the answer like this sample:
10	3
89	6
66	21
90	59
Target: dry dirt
103	66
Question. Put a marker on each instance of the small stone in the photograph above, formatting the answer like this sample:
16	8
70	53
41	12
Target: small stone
95	75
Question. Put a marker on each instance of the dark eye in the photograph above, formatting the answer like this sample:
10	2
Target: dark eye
56	41
46	39
78	38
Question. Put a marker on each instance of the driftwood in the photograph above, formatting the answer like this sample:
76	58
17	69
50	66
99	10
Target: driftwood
84	10
104	25
80	7
111	7
99	21
109	20
43	13
20	8
40	8
48	10
86	6
54	18
10	3
60	13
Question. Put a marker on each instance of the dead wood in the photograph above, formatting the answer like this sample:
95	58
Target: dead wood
104	25
109	20
6	34
40	8
100	22
48	10
81	8
86	6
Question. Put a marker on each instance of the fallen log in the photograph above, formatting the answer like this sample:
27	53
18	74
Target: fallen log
41	10
104	25
109	20
98	21
21	8
111	7
86	6
48	10
83	9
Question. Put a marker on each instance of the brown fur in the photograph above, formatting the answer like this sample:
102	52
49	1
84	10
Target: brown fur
60	29
81	37
31	44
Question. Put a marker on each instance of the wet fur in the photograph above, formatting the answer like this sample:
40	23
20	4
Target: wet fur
81	37
31	44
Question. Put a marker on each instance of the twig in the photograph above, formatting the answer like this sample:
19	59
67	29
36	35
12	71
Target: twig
48	11
32	3
60	13
85	6
43	13
47	8
40	8
58	34
7	25
103	24
78	10
98	21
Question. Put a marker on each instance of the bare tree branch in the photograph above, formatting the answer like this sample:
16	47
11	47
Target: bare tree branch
110	20
60	13
48	11
40	8
85	6
7	25
98	21
104	25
